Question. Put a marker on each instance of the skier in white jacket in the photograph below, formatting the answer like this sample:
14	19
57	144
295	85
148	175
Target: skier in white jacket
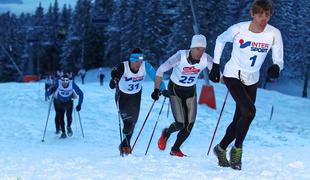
251	42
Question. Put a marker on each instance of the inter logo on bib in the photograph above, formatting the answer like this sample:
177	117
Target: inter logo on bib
255	46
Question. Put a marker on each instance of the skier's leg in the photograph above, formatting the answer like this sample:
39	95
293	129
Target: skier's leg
230	134
61	112
69	109
57	116
245	122
129	105
191	111
244	113
178	112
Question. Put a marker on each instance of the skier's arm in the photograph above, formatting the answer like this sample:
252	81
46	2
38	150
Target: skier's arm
209	62
277	49
79	93
118	71
173	61
52	89
152	74
221	40
116	74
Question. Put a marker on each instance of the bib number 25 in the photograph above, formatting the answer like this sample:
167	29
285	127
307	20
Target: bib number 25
187	79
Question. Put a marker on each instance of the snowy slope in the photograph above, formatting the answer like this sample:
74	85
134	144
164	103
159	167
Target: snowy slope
274	149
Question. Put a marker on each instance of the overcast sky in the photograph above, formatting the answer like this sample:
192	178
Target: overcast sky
11	1
29	6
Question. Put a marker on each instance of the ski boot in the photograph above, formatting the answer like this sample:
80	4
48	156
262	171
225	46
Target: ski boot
124	150
235	158
69	131
63	136
177	152
221	156
162	141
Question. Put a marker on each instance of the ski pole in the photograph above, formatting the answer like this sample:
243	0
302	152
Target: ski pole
155	126
74	113
218	121
271	113
147	116
117	96
120	127
81	124
168	108
48	115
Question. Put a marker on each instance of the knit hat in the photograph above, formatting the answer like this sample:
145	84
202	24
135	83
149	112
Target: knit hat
199	40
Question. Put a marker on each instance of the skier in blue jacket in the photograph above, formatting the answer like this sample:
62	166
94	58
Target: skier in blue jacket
127	77
64	91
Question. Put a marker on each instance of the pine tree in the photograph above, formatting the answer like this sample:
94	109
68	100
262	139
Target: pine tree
132	26
102	12
10	48
113	40
77	46
156	31
213	23
182	29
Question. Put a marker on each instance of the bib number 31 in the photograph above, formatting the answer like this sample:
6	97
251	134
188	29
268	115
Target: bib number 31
133	87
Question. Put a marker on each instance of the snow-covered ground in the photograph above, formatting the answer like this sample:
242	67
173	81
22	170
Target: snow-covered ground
274	149
288	86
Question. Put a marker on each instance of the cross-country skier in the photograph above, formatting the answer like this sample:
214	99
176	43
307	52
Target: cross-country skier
251	42
65	90
127	78
186	65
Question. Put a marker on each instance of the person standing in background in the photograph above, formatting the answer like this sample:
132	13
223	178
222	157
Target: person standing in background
82	73
101	76
48	84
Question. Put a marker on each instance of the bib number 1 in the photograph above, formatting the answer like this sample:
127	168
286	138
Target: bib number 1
253	59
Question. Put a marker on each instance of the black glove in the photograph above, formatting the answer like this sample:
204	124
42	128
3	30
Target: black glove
113	83
214	75
155	94
78	107
165	93
273	71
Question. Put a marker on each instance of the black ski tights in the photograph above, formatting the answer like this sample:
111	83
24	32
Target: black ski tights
129	107
61	108
244	97
182	136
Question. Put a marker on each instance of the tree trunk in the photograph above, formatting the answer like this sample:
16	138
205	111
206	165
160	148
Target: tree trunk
304	92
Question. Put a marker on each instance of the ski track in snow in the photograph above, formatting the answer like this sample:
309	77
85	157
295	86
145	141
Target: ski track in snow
274	149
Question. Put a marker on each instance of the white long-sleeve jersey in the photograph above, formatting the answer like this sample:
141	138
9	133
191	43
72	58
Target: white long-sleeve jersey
184	74
249	51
